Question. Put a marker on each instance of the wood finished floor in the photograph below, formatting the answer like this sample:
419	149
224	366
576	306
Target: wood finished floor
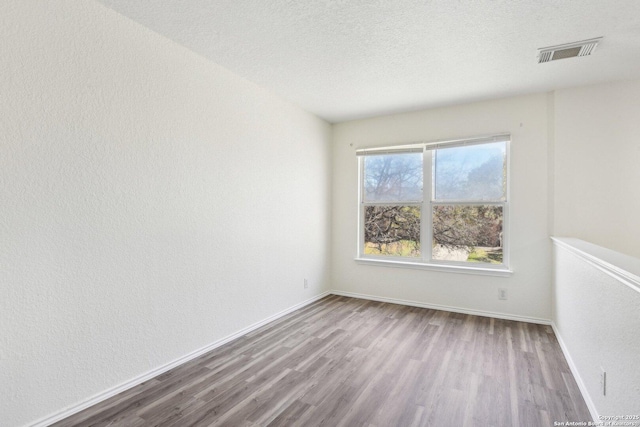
351	362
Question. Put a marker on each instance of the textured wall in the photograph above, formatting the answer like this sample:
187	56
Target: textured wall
529	286
150	203
597	153
598	319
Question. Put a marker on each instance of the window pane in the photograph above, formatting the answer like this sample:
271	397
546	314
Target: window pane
475	172
468	233
392	230
393	177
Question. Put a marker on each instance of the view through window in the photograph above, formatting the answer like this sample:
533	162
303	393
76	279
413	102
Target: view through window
453	195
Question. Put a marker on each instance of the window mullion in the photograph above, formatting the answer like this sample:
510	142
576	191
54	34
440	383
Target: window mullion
361	207
426	228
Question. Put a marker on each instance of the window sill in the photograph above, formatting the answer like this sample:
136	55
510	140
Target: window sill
482	271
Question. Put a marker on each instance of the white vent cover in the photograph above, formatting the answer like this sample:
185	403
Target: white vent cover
569	50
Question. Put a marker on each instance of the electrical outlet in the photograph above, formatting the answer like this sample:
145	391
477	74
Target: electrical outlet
603	381
306	284
502	293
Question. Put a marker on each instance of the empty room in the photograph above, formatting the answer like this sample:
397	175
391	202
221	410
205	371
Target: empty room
319	213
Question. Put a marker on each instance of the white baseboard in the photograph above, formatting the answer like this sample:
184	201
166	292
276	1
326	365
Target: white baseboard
67	412
576	374
445	308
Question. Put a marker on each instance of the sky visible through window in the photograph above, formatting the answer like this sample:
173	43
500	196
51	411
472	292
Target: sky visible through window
472	172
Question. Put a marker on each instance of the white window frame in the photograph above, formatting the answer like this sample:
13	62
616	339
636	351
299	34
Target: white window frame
425	261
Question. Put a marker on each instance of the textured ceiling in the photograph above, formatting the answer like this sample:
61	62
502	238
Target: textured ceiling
347	59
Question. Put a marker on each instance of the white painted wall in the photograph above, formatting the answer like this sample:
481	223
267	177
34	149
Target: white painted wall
597	158
529	287
131	170
597	319
150	203
596	153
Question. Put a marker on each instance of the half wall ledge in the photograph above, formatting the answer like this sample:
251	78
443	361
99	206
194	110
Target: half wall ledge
624	268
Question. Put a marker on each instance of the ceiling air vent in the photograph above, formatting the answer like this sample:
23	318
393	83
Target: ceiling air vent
569	50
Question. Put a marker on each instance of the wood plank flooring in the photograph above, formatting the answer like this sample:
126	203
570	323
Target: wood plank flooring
351	362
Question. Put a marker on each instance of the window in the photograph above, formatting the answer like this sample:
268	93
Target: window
452	195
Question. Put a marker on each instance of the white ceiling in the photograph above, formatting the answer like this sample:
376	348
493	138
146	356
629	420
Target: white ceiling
347	59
